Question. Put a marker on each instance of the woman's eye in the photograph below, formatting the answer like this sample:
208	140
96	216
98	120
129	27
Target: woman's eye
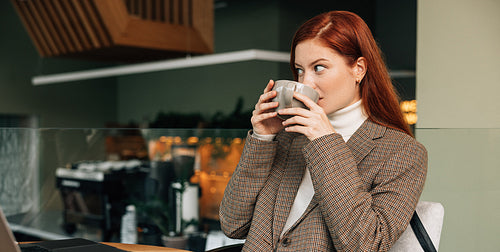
299	71
319	68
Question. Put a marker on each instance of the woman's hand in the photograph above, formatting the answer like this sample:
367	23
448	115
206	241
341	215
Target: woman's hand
264	118
312	123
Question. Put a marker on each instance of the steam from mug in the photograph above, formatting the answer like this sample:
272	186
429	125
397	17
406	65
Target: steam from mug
284	97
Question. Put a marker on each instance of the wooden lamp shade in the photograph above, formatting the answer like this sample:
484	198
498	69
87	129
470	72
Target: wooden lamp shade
118	30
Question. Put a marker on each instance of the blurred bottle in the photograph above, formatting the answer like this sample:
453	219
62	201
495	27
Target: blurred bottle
128	232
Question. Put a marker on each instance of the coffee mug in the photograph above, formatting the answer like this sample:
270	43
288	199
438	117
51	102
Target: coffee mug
285	89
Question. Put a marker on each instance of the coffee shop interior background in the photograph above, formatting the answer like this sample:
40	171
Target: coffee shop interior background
139	98
427	45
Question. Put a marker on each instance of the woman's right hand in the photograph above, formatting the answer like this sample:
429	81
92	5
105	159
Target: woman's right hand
264	119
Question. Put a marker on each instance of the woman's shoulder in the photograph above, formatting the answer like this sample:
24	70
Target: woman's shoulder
399	139
387	144
386	137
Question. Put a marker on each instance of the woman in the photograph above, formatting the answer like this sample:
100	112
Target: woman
346	174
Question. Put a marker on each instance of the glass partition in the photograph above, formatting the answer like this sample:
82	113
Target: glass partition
18	170
58	183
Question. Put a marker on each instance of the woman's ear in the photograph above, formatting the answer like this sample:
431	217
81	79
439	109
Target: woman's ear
360	69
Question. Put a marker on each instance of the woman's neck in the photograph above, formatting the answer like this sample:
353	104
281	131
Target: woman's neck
347	120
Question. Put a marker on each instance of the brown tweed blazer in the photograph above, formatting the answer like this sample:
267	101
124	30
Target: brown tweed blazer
365	191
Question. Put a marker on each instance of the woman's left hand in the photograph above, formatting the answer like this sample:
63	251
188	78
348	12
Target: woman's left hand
312	123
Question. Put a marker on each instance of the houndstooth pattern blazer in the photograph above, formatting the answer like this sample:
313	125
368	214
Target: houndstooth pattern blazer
365	191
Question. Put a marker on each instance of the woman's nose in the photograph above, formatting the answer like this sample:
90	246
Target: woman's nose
308	81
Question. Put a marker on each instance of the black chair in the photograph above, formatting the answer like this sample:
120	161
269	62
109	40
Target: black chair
228	248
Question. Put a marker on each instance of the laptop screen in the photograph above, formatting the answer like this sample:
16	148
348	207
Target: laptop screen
8	242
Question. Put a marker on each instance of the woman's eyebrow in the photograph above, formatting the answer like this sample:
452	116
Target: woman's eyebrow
318	60
312	63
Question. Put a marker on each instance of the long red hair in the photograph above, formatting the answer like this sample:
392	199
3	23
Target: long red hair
347	34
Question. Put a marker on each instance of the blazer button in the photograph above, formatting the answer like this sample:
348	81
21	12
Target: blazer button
285	242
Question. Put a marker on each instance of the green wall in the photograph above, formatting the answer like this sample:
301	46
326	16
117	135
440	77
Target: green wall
73	104
458	69
458	47
202	90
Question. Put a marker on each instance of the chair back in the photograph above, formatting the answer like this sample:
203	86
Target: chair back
431	215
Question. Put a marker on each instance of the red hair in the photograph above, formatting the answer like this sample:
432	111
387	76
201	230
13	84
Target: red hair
347	34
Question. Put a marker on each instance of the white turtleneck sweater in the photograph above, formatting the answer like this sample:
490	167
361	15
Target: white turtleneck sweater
345	122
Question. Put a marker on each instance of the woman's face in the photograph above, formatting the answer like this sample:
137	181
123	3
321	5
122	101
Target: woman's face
325	70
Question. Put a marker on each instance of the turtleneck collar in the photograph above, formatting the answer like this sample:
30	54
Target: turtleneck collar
347	120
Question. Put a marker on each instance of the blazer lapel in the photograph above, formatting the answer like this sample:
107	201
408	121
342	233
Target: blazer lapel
294	167
314	202
362	141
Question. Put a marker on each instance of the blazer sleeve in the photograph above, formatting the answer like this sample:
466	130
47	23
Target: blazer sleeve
360	218
240	195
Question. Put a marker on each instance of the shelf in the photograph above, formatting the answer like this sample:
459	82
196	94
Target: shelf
205	60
